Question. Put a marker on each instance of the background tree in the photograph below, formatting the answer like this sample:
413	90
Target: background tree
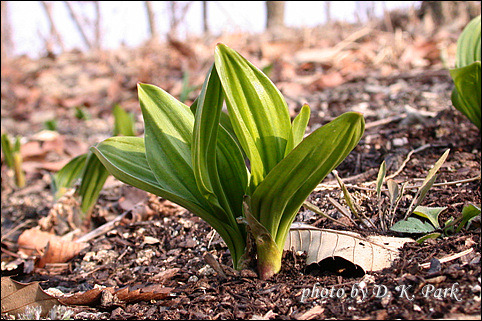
275	15
6	41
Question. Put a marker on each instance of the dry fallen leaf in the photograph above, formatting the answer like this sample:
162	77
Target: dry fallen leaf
17	296
52	248
126	295
372	253
60	251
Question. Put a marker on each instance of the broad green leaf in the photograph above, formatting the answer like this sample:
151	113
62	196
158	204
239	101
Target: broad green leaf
466	94
468	212
278	198
427	236
205	136
94	176
125	158
412	225
298	128
168	138
468	44
431	213
67	175
124	123
258	111
216	160
380	178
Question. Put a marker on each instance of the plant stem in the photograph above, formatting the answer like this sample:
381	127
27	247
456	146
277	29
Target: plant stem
269	255
19	174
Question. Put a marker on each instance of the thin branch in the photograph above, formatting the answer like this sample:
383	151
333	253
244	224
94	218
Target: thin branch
77	22
449	258
53	30
317	210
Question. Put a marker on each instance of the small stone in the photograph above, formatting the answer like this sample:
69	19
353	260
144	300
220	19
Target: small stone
398	142
193	278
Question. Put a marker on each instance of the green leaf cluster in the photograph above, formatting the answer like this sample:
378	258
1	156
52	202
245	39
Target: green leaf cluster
245	172
467	74
431	224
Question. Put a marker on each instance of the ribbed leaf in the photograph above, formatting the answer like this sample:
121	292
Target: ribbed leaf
67	175
125	158
219	168
93	178
468	44
205	136
257	110
298	128
278	198
466	94
168	137
216	157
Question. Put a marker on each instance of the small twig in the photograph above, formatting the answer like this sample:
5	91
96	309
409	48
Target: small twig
467	180
407	159
15	228
385	121
101	229
449	258
317	210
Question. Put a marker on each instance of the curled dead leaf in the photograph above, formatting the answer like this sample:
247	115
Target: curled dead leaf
50	247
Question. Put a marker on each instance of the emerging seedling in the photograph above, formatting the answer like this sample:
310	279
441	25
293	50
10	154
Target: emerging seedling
13	158
190	156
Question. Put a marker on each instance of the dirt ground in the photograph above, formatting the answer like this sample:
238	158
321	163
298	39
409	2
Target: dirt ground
406	107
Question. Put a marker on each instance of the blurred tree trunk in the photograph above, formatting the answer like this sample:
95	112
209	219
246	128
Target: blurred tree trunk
97	26
6	41
53	30
327	12
152	20
455	14
275	15
205	17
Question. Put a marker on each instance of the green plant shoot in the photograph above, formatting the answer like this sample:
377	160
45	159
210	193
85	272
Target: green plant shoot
466	76
189	157
13	158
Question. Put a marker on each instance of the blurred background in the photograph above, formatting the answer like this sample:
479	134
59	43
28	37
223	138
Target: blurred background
34	27
59	57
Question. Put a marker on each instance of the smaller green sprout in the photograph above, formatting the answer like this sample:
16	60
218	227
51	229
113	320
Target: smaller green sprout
13	158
